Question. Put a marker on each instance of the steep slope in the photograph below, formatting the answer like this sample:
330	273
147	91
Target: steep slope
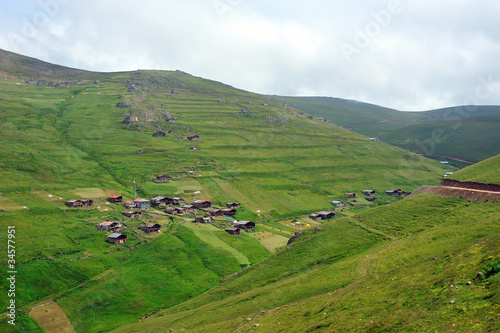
464	132
411	266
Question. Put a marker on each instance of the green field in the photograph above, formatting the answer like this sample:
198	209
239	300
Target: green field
421	277
69	142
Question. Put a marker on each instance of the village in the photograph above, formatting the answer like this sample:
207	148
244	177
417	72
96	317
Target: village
201	211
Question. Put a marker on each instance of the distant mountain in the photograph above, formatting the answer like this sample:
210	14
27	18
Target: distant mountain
445	133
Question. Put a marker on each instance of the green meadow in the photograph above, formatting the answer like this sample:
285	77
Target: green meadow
71	142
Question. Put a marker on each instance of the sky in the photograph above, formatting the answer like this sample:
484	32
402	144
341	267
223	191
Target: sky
411	55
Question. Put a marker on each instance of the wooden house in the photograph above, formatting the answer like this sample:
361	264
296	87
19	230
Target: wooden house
202	204
173	210
74	203
118	199
117	238
194	137
80	203
337	203
247	225
150	227
232	205
188	209
164	178
370	198
232	231
202	219
313	216
350	195
325	215
133	213
396	192
229	211
368	192
160	201
141	203
374	139
177	201
216	212
107	225
129	204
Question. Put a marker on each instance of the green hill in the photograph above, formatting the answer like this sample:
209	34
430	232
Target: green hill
475	138
462	132
63	137
486	172
411	266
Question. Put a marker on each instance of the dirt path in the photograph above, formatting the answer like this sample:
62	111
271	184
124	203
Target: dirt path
467	193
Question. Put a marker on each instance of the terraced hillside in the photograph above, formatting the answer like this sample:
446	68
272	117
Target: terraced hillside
70	134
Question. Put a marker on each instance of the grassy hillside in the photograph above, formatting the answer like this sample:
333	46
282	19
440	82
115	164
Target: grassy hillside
487	172
451	138
471	131
411	266
66	139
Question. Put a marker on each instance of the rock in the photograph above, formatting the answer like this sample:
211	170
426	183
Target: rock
480	274
256	325
317	229
294	237
452	301
434	258
123	105
468	283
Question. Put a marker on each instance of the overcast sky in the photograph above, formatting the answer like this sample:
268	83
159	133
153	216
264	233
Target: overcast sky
407	54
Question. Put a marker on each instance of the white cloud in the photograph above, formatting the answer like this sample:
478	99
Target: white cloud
424	55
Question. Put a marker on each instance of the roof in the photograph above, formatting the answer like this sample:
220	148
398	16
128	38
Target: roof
158	198
115	235
105	223
200	201
141	200
115	196
349	193
129	202
231	229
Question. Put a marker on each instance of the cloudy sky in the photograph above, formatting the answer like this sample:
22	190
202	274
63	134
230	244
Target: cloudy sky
404	54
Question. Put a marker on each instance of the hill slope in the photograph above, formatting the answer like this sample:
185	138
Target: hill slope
411	266
464	132
486	172
66	137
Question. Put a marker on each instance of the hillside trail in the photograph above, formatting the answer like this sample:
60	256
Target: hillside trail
470	189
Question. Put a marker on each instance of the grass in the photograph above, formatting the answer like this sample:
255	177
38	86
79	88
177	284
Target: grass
462	132
483	172
71	142
321	284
